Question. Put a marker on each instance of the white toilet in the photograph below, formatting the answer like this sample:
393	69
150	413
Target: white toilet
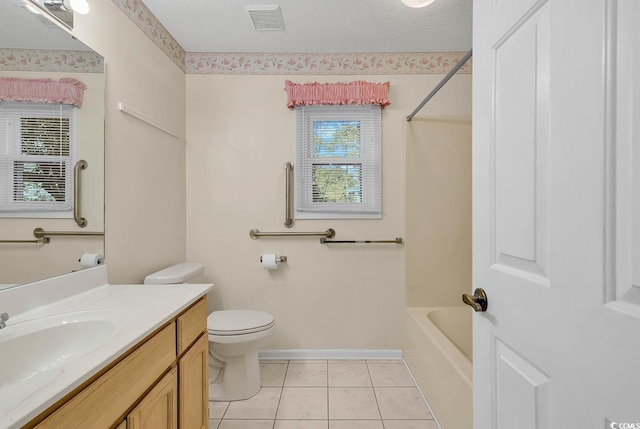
234	339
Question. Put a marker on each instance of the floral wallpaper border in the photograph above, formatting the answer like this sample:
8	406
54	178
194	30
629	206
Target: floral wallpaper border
305	64
146	21
286	64
50	61
234	63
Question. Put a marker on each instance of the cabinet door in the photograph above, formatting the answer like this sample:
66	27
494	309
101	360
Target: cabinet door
158	410
194	386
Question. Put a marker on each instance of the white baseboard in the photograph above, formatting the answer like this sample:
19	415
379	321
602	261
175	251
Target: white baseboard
293	354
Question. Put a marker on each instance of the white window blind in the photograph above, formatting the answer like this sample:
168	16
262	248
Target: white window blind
338	161
37	152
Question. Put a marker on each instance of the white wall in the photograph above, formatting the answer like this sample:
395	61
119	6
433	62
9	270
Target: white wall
239	135
145	167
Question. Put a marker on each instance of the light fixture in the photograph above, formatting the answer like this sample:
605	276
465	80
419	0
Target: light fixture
58	11
417	3
78	6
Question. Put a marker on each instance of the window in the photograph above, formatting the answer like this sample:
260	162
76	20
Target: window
337	167
37	152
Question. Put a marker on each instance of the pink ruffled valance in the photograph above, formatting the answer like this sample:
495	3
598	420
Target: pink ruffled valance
358	92
65	90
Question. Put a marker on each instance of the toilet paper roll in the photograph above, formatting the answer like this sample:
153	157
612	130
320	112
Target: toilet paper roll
269	261
89	260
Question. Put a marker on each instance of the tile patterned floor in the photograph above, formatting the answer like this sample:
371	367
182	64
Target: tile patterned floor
333	394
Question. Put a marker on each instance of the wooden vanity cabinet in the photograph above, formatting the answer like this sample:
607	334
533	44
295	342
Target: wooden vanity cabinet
162	383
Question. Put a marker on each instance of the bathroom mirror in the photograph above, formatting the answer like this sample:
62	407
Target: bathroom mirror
34	47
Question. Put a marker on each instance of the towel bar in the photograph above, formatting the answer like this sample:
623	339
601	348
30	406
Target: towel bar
398	240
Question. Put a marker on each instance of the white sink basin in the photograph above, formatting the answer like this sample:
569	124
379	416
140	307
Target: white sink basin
35	347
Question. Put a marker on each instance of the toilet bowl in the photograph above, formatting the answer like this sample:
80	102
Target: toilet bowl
234	339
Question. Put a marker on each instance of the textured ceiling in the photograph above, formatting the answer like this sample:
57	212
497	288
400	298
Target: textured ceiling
318	26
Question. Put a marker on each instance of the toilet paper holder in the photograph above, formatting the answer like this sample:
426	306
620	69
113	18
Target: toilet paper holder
278	259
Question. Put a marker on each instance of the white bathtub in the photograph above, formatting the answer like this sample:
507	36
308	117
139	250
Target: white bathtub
437	349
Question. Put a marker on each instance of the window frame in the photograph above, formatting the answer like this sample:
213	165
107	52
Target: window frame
10	152
370	118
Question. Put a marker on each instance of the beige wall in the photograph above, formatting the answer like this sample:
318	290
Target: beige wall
162	208
239	135
145	167
438	255
161	195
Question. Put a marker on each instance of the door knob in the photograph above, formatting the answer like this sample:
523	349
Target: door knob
478	300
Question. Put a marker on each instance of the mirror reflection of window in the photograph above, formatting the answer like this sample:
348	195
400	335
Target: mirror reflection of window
37	154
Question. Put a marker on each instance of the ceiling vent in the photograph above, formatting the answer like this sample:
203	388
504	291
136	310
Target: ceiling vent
266	17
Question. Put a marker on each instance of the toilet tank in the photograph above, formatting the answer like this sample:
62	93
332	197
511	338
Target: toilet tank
186	272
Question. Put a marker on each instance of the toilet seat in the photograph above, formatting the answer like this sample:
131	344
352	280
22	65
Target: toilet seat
238	322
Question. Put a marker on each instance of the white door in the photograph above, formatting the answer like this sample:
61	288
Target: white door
556	213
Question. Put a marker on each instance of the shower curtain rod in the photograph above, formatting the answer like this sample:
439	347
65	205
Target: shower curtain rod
441	84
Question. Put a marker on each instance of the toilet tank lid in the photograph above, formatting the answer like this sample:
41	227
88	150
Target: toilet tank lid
180	273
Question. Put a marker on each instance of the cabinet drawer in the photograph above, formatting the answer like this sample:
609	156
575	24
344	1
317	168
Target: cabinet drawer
105	400
191	324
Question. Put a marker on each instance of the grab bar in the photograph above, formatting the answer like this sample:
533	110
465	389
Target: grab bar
288	221
255	234
398	240
43	240
41	233
80	165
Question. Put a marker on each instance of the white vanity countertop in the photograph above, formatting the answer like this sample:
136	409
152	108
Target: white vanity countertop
137	310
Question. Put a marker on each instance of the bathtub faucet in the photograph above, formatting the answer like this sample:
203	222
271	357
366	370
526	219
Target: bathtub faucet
3	318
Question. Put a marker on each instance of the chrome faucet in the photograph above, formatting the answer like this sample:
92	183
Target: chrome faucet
3	318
